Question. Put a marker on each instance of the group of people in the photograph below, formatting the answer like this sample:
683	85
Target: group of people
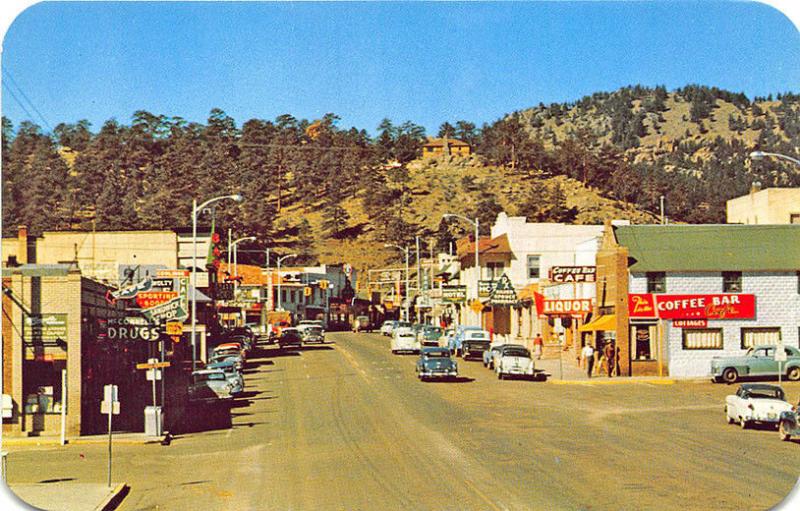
599	360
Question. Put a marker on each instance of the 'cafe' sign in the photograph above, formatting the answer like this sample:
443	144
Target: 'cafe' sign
721	306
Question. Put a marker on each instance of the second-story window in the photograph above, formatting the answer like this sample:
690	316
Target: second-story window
656	282
731	282
533	267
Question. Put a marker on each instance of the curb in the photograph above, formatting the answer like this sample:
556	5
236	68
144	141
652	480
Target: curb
616	381
114	499
39	442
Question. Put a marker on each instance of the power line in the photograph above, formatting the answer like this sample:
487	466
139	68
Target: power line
19	89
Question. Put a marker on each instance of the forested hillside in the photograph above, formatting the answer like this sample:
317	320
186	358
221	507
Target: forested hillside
333	193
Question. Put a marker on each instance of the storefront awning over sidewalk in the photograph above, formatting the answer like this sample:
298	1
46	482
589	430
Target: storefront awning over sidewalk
603	323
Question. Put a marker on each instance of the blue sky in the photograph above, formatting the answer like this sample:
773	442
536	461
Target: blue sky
424	62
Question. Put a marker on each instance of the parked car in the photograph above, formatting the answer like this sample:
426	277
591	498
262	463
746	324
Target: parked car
429	336
490	354
362	324
236	359
404	340
388	326
455	341
313	333
436	363
209	385
290	337
232	373
759	361
474	343
230	347
789	423
514	360
756	402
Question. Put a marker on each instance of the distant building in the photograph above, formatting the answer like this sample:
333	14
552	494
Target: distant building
449	146
768	206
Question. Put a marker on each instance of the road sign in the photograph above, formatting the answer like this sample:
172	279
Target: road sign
153	365
780	353
476	306
110	403
174	328
153	375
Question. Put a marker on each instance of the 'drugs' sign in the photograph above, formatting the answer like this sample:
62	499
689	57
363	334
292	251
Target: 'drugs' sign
722	306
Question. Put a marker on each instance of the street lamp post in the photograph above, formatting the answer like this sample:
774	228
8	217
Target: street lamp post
280	260
406	297
477	260
760	155
195	210
236	253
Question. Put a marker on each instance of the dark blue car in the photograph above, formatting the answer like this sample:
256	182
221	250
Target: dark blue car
436	363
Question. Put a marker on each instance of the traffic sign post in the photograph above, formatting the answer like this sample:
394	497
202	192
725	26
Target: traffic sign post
780	358
109	405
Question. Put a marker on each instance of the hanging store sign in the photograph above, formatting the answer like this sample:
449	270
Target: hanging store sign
129	292
503	293
171	310
573	274
485	288
148	299
454	294
720	306
567	307
173	274
132	328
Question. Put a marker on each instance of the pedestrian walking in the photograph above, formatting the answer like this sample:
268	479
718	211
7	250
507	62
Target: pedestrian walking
538	346
608	353
587	353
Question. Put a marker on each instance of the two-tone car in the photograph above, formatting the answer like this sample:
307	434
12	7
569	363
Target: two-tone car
756	402
209	386
514	360
435	362
474	343
757	362
429	336
232	373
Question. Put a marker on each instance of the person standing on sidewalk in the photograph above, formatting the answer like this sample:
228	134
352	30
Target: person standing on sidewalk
538	346
608	352
587	353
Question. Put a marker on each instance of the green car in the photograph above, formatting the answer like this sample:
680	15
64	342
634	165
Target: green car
431	335
759	361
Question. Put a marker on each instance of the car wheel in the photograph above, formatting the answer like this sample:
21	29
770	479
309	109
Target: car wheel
730	375
785	436
793	374
728	416
743	423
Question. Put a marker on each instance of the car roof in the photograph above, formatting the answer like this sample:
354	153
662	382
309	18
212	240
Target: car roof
208	371
435	349
514	346
760	386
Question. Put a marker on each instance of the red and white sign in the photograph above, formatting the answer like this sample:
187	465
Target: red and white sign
723	306
690	323
172	274
147	299
577	306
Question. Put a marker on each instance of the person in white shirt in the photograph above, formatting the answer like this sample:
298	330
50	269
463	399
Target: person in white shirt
587	353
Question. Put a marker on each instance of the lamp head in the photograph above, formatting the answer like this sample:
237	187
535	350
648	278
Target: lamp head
238	197
757	155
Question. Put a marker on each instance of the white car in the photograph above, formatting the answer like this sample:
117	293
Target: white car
387	327
404	339
305	323
756	402
513	360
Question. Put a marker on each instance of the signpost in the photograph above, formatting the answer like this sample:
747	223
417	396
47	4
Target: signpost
780	358
110	406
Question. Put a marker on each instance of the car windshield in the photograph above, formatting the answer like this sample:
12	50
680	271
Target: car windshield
209	377
517	352
438	354
403	324
765	394
477	335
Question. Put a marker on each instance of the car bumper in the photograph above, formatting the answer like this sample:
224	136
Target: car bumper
770	418
439	374
517	371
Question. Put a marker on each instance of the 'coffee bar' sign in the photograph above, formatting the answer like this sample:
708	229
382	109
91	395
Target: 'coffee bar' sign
681	307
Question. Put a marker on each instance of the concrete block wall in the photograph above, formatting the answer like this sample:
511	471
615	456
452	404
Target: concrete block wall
777	305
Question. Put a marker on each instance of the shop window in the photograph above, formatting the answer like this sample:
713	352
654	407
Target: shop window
533	267
283	295
656	282
644	341
41	384
702	339
765	336
731	282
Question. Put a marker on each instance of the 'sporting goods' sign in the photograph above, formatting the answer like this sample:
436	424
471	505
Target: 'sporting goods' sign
567	307
147	299
722	306
573	274
454	294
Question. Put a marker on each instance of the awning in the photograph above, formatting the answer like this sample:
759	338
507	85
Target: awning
603	323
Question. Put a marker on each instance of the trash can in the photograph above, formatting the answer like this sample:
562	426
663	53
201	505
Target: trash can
153	421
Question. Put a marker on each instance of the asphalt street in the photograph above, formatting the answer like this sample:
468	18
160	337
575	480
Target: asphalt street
347	425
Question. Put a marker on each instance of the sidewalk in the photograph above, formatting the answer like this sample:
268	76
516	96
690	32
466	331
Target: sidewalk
70	496
118	438
568	373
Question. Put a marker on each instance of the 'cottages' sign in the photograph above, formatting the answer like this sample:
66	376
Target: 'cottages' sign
722	306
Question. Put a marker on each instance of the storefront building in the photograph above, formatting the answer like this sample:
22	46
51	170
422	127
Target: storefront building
675	296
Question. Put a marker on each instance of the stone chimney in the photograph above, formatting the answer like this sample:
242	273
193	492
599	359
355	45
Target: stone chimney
22	244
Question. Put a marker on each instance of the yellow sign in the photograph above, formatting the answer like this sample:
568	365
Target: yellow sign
174	328
476	306
323	284
307	291
157	365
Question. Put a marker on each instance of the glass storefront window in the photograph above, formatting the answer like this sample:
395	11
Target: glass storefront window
764	336
644	341
41	386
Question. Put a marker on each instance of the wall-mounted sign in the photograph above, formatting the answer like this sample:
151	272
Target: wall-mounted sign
45	328
721	306
132	328
132	290
485	288
573	274
454	294
690	323
576	307
503	293
171	310
173	274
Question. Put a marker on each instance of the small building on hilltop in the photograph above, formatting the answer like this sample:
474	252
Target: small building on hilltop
445	146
